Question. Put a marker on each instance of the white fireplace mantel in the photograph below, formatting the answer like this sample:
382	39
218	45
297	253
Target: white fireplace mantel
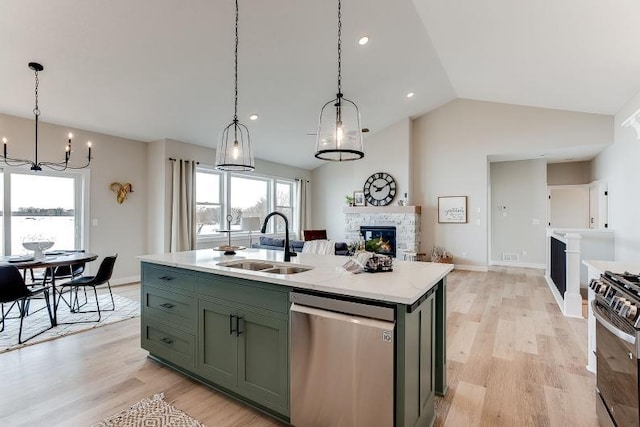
382	209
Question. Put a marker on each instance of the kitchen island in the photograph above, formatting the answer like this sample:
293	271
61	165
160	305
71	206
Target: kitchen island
229	327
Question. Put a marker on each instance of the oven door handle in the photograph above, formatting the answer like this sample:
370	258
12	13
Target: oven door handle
611	327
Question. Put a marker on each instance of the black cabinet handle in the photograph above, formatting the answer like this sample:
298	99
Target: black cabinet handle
167	278
238	331
231	330
167	305
167	340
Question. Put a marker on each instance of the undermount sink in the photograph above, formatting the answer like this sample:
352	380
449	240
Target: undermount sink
286	270
265	267
248	265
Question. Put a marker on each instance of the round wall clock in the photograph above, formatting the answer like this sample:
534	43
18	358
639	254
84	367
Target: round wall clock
380	189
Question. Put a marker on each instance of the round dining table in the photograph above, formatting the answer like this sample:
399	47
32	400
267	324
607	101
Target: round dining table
50	261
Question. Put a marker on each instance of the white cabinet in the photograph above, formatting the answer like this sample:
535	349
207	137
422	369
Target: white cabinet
598	205
578	206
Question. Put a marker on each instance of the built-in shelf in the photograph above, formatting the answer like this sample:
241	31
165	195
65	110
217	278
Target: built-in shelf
382	209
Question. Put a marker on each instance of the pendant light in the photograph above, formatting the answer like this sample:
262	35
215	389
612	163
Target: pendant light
234	149
339	134
35	164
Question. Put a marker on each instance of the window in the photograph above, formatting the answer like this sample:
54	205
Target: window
208	201
42	206
284	203
249	197
219	194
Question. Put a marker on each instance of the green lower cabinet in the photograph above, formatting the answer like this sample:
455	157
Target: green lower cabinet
217	343
415	375
244	351
263	370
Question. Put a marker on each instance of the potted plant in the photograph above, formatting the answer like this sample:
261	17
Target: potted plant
349	199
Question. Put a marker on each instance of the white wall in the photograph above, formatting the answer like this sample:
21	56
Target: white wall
617	167
450	150
387	150
518	212
122	228
569	173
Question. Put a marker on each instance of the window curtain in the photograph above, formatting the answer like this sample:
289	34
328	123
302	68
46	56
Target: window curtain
303	219
183	205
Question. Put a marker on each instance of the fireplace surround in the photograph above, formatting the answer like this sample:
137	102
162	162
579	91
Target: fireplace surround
406	220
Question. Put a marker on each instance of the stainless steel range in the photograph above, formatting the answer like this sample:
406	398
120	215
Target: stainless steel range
617	312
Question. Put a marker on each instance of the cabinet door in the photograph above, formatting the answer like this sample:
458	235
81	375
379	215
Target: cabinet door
263	360
217	343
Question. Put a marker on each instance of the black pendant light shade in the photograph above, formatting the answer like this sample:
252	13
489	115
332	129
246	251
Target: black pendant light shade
339	132
234	151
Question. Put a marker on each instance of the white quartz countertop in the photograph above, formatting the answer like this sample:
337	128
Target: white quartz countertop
405	284
613	266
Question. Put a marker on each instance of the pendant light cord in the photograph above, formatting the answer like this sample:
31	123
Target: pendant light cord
340	47
235	113
36	110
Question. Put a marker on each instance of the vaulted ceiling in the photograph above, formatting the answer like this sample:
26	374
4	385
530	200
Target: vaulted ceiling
153	69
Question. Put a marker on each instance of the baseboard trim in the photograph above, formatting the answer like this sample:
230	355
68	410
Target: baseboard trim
125	280
480	268
519	264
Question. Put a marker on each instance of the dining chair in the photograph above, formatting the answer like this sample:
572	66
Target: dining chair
102	277
15	292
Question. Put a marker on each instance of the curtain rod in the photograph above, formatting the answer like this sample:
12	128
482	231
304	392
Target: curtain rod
173	160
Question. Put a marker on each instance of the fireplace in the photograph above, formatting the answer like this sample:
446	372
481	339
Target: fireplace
379	239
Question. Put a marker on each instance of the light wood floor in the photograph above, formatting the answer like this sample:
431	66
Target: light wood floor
513	360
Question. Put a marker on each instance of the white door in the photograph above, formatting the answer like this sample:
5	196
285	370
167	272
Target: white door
569	207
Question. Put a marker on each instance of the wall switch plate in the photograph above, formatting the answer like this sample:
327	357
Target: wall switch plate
94	222
535	221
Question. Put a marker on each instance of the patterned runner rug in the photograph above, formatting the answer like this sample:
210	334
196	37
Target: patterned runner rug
38	320
150	413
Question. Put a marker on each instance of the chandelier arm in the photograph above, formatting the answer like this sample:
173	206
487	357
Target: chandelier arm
17	162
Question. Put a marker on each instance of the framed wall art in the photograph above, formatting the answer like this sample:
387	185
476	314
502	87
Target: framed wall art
452	209
358	198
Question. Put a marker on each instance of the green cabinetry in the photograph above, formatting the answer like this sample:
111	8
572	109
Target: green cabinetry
233	334
227	332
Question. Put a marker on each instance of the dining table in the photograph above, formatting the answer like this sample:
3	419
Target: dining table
50	261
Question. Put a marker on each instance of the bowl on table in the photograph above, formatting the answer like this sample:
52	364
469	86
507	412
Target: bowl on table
38	247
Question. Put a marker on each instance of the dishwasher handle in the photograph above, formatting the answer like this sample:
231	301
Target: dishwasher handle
379	324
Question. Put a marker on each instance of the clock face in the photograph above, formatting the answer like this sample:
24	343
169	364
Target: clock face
380	189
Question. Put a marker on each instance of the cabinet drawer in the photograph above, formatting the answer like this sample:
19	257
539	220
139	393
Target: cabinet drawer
248	292
169	278
175	308
168	343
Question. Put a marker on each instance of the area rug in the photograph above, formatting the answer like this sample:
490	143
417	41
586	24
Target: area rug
38	320
150	413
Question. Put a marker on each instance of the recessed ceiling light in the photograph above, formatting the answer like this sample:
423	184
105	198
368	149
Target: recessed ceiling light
410	95
363	40
253	117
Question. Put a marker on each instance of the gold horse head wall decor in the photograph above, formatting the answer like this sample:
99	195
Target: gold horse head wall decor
121	190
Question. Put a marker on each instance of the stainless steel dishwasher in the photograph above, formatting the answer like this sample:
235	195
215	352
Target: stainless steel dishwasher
342	363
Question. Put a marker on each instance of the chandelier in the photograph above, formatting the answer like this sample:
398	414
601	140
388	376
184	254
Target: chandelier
339	133
37	165
234	149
